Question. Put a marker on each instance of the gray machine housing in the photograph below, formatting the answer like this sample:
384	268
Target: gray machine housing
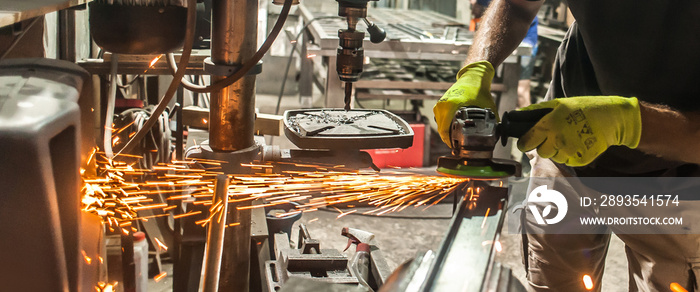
39	175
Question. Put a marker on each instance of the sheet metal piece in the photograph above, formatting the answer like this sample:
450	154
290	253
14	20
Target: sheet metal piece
467	252
340	129
215	236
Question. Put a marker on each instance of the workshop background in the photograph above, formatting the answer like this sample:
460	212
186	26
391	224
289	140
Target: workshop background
107	183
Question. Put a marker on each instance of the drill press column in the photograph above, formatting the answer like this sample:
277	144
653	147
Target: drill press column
233	42
231	122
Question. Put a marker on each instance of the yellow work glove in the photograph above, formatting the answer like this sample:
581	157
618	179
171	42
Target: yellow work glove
473	88
578	129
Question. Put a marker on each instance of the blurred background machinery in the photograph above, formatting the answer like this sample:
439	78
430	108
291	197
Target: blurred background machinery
165	92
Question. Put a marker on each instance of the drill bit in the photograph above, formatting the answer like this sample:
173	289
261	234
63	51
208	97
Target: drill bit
348	95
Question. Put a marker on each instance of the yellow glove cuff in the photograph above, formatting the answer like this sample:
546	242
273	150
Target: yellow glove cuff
484	67
633	123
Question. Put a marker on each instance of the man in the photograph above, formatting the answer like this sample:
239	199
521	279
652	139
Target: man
527	63
625	100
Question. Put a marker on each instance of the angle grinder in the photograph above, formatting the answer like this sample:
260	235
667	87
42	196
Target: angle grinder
474	133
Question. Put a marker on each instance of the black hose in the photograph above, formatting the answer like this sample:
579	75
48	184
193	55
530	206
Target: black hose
291	54
184	60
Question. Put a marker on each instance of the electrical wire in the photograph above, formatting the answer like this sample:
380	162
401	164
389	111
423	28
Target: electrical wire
109	114
174	84
247	66
206	97
291	54
100	55
16	40
155	147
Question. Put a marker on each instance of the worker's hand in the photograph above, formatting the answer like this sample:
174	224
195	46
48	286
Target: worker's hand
473	88
578	129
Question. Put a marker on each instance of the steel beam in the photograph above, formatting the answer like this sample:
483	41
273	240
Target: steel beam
215	236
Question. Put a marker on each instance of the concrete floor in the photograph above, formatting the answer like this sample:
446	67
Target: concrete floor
401	239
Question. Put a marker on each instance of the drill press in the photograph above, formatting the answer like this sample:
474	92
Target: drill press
350	52
340	134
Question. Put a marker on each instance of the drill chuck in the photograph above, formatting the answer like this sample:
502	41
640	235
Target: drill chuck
351	56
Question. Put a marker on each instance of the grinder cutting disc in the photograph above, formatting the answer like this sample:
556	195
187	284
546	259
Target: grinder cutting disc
477	168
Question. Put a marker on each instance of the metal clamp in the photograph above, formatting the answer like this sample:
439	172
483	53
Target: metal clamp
226	70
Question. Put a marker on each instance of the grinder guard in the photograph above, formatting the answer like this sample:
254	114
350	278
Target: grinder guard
473	134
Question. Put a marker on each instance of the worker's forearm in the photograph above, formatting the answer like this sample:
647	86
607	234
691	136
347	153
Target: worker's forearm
671	134
502	28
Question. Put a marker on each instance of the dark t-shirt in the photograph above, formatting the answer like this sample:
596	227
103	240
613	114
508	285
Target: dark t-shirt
645	49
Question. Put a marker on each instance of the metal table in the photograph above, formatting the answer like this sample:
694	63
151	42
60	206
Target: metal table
14	11
411	34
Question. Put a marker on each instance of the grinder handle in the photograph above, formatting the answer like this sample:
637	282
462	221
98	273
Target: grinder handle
516	123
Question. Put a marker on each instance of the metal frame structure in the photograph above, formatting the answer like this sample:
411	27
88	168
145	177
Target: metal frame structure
415	41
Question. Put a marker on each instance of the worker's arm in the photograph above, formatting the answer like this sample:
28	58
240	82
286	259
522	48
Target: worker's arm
671	134
579	129
502	28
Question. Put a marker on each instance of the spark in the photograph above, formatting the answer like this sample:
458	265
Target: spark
483	223
154	61
117	131
87	259
161	245
187	214
92	154
675	287
179	197
313	220
345	213
147	207
118	191
160	276
587	282
105	287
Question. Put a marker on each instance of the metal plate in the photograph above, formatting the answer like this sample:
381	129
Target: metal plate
340	129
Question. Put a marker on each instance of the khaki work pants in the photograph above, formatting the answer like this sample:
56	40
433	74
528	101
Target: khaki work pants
558	262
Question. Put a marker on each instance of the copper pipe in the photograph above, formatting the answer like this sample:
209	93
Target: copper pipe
233	42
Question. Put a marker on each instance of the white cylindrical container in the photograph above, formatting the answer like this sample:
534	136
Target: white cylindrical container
141	261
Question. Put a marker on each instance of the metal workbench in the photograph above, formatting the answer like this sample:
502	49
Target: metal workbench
14	11
411	34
